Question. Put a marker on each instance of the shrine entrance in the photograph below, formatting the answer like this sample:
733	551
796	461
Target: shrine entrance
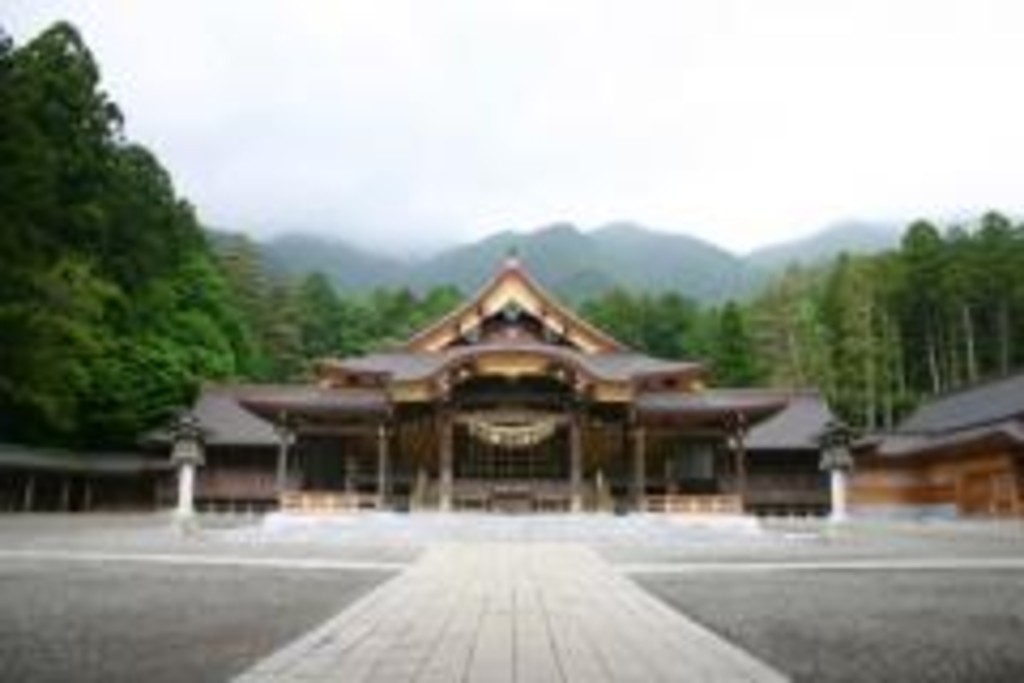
513	444
512	461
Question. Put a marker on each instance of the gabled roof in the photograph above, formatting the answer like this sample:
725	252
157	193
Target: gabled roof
989	402
987	413
1007	432
512	284
616	366
223	420
798	426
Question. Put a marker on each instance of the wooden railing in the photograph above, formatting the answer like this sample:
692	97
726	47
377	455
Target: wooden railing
512	496
695	504
326	501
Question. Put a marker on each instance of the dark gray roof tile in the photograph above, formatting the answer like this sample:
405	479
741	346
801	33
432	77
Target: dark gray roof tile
981	404
619	366
798	426
57	460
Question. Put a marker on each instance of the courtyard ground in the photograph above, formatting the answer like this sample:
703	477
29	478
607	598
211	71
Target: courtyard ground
126	598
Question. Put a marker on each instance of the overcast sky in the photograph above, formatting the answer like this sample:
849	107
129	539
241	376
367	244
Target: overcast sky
407	124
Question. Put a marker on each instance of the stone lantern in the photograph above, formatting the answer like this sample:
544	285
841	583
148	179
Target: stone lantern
837	461
187	454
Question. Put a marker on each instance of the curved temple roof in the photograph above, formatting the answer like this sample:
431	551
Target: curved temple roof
406	366
311	400
512	328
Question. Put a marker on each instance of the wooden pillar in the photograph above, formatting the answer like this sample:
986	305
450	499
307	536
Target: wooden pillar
30	493
65	494
740	455
639	469
350	472
415	446
445	456
575	464
86	495
1018	495
284	438
382	466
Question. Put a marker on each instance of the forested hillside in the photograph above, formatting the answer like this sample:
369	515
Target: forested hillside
111	308
114	307
878	333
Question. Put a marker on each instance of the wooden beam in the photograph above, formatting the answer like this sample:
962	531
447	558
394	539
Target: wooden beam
369	429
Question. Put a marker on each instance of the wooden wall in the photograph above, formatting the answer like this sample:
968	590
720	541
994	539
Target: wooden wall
973	483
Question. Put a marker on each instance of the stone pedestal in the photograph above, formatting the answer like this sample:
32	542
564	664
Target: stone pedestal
837	482
187	455
186	509
838	462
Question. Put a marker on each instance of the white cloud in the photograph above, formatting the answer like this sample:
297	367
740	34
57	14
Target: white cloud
408	123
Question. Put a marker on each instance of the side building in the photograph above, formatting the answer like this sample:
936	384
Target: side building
959	455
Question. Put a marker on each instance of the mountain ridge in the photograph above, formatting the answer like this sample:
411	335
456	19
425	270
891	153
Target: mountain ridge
576	264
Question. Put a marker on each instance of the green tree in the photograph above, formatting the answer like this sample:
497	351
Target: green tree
111	308
733	357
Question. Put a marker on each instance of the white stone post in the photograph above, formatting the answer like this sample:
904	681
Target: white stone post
186	491
285	438
837	461
187	455
837	481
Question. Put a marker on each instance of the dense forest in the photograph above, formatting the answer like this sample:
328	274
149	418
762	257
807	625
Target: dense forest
116	303
113	305
879	333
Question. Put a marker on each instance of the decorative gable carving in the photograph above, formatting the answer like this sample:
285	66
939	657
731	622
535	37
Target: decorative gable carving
512	306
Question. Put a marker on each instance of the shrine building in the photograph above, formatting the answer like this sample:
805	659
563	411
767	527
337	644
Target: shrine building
511	402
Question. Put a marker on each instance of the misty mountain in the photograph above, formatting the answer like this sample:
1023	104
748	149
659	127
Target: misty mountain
853	237
575	264
348	267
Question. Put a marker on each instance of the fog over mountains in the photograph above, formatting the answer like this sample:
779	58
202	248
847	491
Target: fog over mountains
577	264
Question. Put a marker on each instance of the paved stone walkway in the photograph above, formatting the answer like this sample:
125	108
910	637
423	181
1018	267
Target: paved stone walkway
530	612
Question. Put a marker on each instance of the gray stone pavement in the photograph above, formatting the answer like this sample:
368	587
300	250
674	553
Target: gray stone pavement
508	596
848	626
116	622
531	612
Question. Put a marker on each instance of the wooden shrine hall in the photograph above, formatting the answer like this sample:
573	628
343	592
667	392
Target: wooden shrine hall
510	403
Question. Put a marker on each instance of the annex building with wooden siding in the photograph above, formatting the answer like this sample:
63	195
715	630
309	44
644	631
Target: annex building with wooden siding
959	455
510	403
